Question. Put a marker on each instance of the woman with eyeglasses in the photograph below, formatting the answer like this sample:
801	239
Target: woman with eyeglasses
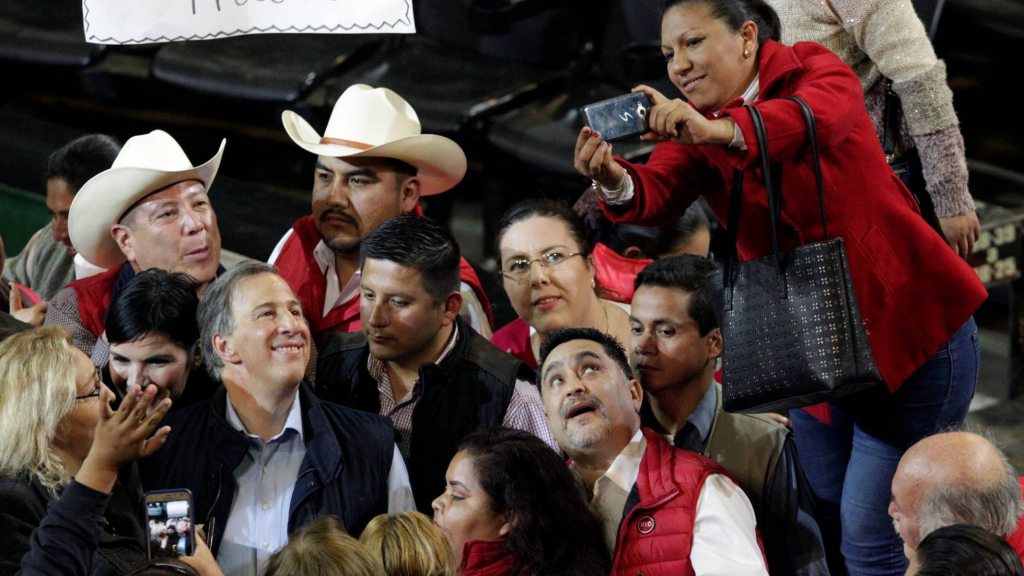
548	272
62	509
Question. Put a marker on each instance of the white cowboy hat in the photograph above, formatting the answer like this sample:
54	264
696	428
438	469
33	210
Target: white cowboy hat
377	122
147	163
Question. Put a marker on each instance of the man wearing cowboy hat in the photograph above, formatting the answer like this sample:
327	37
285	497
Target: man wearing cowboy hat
151	209
372	164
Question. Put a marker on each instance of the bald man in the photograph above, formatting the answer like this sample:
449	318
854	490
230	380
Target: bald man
956	478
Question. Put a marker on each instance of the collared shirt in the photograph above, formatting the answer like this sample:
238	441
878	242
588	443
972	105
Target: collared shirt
525	410
793	542
724	529
257	525
702	417
335	295
625	192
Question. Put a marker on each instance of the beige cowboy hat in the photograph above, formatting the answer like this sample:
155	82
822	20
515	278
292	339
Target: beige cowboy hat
377	122
147	163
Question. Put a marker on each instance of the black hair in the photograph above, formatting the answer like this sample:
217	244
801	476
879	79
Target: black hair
544	208
962	549
81	159
611	345
155	301
690	274
554	531
418	242
655	242
737	12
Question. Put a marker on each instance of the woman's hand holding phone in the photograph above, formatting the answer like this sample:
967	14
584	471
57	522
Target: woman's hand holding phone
594	160
202	560
123	436
677	121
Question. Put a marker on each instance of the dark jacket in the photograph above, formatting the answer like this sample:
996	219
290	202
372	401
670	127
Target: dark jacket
345	472
84	532
469	390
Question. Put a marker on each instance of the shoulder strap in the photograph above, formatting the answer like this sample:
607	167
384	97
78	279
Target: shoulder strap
812	138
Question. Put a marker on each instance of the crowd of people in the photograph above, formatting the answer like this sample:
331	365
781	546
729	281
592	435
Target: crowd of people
349	407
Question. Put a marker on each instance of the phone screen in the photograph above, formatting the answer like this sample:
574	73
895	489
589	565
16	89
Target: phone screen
171	533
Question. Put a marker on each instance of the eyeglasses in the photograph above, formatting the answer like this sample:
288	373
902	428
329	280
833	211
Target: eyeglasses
98	383
519	270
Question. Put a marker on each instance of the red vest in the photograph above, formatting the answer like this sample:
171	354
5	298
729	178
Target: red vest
616	274
93	295
485	558
656	535
1016	540
298	266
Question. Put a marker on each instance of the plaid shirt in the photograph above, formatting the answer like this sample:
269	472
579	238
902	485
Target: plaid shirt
525	410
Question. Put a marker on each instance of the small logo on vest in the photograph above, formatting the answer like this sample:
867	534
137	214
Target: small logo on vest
645	525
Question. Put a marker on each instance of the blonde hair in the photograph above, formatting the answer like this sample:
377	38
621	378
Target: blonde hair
409	544
323	548
37	390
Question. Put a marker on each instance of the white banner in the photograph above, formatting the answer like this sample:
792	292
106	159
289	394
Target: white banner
147	21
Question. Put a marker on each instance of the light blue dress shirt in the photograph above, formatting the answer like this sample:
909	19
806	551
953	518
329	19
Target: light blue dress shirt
258	523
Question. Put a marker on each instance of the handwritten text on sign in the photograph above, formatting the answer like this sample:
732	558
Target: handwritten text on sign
147	21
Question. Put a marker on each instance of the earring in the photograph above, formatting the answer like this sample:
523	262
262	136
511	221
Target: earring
746	53
593	283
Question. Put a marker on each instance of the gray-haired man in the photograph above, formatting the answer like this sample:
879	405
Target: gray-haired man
264	457
956	478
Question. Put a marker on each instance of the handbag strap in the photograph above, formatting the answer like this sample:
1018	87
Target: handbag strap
774	189
889	130
735	203
812	138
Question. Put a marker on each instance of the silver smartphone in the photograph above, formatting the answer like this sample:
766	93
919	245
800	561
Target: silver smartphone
172	532
619	118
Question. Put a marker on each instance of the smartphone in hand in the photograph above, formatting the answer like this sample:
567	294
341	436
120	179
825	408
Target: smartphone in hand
170	523
619	118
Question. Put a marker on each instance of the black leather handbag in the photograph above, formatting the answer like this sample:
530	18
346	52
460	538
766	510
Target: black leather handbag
790	321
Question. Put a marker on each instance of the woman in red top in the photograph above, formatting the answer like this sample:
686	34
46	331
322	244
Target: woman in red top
916	296
512	508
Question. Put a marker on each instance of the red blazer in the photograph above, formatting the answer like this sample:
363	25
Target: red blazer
914	292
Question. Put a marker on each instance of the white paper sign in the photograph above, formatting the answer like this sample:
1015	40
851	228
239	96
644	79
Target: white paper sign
147	21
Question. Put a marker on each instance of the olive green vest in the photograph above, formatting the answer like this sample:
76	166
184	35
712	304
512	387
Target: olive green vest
748	446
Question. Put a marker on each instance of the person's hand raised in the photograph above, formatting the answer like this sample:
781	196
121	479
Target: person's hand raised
34	315
676	121
123	436
594	160
202	560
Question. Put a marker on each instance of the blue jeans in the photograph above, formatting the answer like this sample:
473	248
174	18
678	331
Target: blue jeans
850	463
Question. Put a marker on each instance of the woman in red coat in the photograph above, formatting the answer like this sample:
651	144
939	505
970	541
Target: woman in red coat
916	296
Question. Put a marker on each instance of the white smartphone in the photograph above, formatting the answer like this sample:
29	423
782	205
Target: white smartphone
169	519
